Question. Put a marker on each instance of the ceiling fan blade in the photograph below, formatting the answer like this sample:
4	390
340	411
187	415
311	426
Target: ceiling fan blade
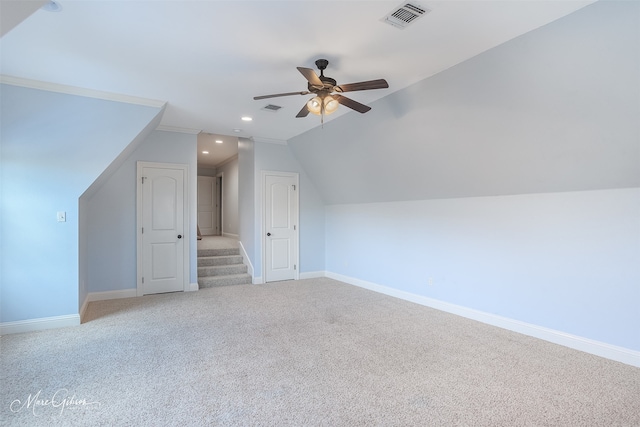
354	105
304	112
280	94
371	84
311	77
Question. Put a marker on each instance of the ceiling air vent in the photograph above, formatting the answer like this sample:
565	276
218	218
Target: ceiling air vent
272	107
405	14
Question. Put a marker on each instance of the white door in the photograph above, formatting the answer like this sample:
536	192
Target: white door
163	229
281	226
207	201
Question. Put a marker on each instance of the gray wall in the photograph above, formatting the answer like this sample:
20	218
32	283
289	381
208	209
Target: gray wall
230	197
554	110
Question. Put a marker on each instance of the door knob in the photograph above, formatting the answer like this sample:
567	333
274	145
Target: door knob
268	234
179	236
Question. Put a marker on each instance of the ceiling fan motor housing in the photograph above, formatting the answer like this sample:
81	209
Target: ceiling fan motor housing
322	64
328	82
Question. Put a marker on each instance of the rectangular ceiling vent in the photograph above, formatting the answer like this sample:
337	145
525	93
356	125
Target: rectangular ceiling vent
272	107
405	14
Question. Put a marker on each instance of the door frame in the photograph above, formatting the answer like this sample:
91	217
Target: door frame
220	201
186	222
215	225
263	222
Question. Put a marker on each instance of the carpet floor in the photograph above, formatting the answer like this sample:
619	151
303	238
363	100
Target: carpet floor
313	352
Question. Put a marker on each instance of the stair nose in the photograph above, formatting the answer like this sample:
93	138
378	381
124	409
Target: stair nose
218	252
221	270
219	260
215	281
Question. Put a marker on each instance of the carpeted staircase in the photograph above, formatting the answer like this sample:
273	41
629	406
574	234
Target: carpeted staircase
221	267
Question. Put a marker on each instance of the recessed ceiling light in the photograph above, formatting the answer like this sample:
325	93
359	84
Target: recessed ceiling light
205	152
218	141
52	6
237	130
246	119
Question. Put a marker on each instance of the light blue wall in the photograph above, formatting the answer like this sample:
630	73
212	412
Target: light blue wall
276	157
53	147
111	213
565	261
546	127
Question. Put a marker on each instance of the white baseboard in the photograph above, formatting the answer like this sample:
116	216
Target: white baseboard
39	324
608	351
101	296
312	275
257	280
193	287
233	236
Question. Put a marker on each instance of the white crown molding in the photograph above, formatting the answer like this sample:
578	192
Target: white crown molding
269	140
176	129
72	90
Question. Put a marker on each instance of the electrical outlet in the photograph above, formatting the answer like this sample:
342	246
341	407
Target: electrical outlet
62	217
430	281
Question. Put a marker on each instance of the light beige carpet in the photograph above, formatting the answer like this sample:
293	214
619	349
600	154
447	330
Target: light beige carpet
301	353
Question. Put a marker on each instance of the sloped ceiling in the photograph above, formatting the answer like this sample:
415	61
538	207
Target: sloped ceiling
556	109
208	59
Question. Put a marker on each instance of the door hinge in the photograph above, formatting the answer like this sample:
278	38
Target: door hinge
294	228
143	178
143	280
142	230
294	187
295	267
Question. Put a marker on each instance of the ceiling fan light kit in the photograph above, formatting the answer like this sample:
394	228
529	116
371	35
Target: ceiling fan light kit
328	92
325	105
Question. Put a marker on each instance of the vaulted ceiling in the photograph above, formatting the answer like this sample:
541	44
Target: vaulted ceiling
208	59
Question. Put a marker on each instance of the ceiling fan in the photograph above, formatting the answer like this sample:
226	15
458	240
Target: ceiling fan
328	92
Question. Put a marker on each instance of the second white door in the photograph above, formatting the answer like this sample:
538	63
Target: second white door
280	226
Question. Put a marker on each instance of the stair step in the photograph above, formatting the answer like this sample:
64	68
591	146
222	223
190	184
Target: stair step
218	252
221	270
232	279
219	260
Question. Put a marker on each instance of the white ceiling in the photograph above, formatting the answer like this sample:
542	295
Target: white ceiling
208	59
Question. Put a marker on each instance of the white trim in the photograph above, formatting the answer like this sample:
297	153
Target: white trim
313	275
193	287
39	324
107	295
296	256
230	235
186	220
220	198
269	140
619	354
245	259
176	129
72	90
257	280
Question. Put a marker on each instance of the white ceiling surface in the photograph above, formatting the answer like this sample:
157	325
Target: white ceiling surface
208	59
